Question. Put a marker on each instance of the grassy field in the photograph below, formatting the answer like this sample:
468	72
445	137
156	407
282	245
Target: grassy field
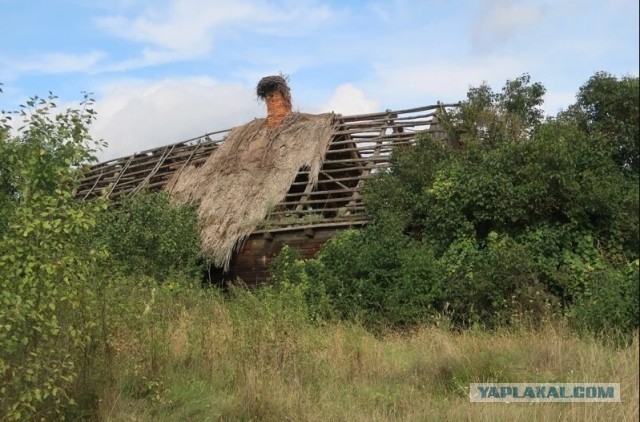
180	357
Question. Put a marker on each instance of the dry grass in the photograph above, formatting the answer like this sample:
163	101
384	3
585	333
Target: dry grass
255	358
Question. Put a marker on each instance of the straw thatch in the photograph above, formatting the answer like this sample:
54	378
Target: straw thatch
249	174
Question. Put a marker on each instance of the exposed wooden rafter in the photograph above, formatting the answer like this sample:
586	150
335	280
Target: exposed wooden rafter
361	146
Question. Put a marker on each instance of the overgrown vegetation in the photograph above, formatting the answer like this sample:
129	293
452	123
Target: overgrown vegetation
515	217
150	235
525	226
255	355
47	287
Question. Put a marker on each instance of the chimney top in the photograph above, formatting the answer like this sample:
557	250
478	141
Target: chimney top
276	93
271	84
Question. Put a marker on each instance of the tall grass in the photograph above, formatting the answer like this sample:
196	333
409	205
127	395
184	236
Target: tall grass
196	355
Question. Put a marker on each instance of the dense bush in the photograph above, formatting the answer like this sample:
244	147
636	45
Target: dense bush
609	301
390	280
150	235
48	294
514	217
290	275
609	108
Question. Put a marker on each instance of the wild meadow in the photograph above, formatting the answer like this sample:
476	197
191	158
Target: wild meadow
197	355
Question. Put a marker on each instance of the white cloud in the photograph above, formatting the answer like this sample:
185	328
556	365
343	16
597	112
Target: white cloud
135	115
148	57
347	99
138	115
291	17
501	19
55	63
185	25
426	83
187	29
422	84
390	10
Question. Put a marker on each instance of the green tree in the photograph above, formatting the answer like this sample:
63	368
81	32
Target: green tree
608	107
493	117
512	218
46	275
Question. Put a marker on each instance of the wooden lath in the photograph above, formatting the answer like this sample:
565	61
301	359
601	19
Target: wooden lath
361	146
149	169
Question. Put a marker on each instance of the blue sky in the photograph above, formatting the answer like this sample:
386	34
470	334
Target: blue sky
167	70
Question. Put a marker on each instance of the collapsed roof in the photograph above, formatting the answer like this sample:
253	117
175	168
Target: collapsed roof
306	173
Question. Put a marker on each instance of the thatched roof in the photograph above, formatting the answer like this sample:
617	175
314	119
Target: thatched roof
325	162
250	173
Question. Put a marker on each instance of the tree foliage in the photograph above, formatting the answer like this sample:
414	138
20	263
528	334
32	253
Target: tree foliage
608	108
64	261
515	217
150	235
46	285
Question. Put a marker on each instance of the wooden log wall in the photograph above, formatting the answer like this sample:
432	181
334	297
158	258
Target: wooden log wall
251	262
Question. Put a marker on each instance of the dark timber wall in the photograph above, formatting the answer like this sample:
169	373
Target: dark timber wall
252	262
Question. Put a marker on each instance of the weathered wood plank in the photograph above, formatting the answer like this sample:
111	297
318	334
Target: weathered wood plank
405	111
251	263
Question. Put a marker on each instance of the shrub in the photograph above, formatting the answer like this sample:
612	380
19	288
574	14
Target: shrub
609	302
49	299
378	276
289	273
493	285
151	235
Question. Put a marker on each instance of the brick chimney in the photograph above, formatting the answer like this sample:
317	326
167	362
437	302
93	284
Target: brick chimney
275	92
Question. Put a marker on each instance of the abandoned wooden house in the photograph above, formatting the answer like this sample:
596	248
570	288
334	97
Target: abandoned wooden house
290	178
